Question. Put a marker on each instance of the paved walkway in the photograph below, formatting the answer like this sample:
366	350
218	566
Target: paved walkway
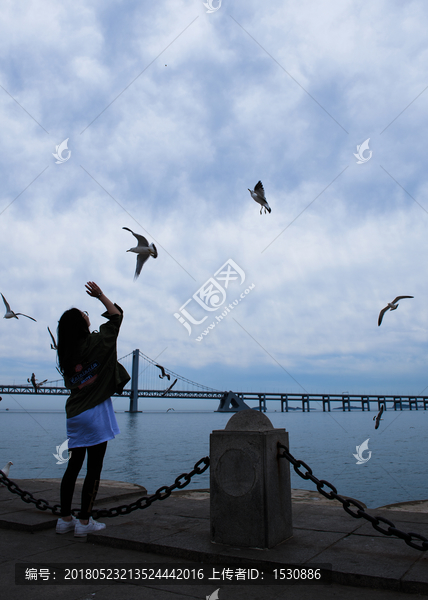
176	533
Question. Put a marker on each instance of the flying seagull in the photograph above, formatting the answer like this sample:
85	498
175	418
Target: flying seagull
391	305
36	385
258	194
170	388
167	375
143	249
378	417
10	314
53	345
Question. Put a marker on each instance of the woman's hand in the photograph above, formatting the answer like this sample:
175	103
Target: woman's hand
93	289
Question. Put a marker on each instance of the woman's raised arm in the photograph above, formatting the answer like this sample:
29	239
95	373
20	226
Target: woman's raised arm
95	291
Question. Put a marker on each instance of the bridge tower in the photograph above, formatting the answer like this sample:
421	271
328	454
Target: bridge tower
133	400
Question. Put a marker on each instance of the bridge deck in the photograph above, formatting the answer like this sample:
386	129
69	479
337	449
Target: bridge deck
345	401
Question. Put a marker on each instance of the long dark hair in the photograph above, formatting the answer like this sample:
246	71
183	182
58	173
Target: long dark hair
72	330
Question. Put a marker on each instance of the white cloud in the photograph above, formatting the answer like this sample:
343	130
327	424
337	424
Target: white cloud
172	158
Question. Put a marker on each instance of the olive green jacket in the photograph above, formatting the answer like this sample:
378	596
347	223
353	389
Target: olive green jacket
98	375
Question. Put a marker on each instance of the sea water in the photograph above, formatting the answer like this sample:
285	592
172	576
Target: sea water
154	448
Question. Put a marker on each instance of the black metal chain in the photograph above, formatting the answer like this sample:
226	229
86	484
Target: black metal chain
184	479
346	502
161	494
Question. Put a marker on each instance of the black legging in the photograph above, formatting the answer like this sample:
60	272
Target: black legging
92	479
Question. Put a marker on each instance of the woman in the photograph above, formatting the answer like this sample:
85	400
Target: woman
88	363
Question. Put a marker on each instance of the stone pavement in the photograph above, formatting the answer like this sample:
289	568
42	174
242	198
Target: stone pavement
176	532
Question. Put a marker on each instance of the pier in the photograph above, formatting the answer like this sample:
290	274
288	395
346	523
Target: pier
346	402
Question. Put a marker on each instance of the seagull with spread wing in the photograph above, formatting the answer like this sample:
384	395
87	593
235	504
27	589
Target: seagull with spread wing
12	315
378	417
167	375
391	306
34	383
143	249
170	388
258	194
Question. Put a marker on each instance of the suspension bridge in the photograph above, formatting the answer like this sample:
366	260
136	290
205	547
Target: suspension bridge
155	380
149	379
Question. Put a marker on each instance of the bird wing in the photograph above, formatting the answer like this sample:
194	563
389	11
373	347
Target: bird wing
400	297
141	239
6	303
22	314
141	259
259	189
167	375
379	414
170	388
382	312
6	468
163	371
54	347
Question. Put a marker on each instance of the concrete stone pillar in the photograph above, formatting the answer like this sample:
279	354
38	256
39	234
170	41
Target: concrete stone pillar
250	491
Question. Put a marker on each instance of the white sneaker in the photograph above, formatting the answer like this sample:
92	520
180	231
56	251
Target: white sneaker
65	526
83	530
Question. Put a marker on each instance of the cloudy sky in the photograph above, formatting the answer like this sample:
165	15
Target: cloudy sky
171	114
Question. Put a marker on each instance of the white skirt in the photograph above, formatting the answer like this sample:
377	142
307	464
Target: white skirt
93	426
